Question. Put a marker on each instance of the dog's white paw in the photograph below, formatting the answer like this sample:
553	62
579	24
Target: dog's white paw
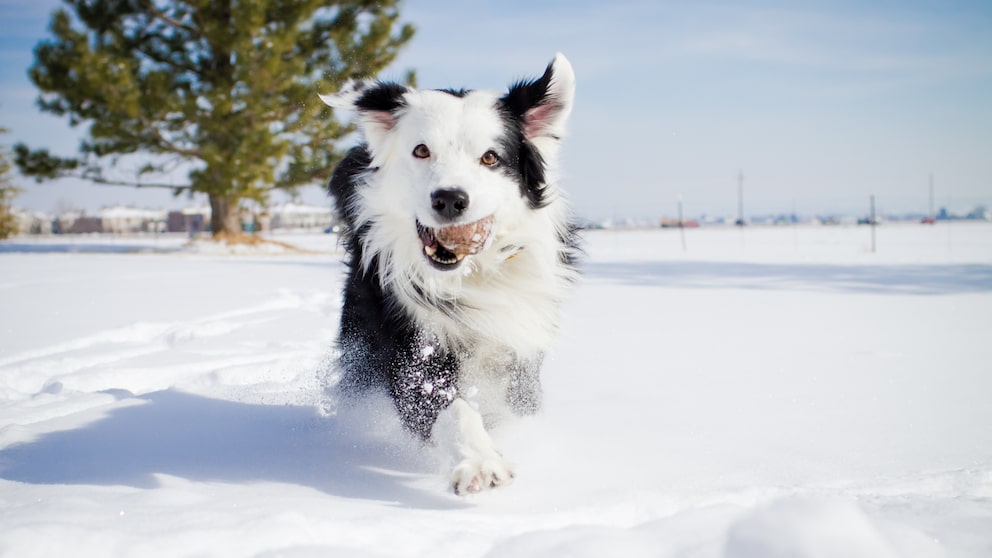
480	466
474	475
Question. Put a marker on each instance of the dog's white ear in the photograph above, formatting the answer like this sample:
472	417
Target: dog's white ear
345	98
378	105
543	105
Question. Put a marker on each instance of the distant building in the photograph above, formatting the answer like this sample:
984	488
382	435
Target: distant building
298	216
130	220
85	225
980	213
32	222
667	223
75	222
191	220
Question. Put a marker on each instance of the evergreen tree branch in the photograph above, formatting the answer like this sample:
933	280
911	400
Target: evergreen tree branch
166	18
41	165
132	184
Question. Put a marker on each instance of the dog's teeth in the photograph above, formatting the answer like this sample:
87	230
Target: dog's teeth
430	250
459	257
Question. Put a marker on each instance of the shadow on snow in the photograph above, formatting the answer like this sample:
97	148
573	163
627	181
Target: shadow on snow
211	440
868	279
83	248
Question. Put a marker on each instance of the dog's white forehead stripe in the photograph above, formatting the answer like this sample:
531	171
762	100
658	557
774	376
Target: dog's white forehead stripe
443	121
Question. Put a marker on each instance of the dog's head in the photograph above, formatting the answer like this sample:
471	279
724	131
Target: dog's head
455	173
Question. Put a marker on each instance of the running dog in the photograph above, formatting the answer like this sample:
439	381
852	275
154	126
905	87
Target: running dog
460	254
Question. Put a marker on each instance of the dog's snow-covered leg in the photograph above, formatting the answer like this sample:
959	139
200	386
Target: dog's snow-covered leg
478	464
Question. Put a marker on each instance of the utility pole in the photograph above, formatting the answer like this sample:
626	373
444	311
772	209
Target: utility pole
932	218
871	220
740	198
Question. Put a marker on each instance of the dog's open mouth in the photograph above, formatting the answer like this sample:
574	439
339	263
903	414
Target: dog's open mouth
446	247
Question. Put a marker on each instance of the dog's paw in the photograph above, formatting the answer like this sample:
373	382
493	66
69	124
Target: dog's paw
475	475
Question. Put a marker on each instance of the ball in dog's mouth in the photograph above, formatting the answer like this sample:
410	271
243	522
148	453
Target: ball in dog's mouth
446	247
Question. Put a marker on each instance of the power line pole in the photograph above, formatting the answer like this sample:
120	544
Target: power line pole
871	220
740	198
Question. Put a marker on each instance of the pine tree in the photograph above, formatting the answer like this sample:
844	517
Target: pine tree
8	221
227	86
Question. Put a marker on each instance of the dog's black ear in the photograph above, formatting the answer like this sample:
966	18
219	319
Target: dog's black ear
543	105
377	103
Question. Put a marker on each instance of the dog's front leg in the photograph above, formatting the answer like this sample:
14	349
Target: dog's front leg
479	465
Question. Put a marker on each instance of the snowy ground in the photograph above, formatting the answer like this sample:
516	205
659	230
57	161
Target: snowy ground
777	392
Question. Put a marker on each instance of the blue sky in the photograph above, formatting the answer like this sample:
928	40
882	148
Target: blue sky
818	103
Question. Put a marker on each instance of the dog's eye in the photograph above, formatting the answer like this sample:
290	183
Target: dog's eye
489	158
421	152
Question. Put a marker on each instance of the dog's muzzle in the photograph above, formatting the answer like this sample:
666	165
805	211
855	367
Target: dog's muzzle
446	247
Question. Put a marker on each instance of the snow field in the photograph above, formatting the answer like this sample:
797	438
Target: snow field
769	392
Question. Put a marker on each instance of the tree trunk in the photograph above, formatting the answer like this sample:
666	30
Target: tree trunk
225	219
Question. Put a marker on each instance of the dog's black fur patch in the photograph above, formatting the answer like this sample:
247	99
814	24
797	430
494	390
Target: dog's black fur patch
385	96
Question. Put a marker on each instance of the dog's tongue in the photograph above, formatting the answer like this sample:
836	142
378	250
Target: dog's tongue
467	239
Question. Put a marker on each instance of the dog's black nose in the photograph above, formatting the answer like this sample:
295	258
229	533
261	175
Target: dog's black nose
449	203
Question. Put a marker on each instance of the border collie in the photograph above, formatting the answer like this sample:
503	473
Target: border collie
460	255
